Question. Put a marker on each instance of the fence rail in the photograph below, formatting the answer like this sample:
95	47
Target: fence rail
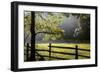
76	54
69	48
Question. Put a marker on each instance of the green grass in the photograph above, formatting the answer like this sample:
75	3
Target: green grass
44	46
46	53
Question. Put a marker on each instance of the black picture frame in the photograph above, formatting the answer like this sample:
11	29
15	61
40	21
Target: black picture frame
14	35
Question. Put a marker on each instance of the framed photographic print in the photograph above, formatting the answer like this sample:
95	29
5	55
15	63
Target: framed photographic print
52	36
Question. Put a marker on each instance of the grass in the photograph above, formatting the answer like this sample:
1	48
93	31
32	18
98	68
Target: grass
44	46
66	56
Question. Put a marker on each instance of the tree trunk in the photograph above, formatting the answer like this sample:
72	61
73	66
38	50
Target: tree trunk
32	56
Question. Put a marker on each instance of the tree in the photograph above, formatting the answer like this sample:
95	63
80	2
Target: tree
35	23
48	23
27	25
82	32
45	22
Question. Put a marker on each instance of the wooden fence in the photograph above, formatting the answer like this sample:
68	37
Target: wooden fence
76	54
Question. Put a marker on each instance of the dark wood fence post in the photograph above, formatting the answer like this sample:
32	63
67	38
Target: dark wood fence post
76	52
27	52
49	51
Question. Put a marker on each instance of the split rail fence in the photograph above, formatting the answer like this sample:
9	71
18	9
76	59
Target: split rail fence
76	54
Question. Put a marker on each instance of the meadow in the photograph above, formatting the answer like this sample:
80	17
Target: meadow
44	46
43	50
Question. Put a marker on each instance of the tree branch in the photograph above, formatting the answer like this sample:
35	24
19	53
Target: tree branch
46	33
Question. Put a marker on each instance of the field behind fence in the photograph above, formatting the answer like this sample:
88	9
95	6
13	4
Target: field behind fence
61	51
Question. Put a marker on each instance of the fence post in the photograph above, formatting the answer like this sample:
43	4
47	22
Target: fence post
49	51
27	52
76	52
